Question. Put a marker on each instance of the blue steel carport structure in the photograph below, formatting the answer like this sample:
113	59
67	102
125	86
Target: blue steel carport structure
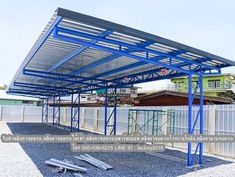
77	53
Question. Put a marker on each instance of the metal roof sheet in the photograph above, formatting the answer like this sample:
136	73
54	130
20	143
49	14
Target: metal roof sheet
77	52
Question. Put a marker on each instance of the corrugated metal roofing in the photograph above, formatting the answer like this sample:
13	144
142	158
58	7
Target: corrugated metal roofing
80	52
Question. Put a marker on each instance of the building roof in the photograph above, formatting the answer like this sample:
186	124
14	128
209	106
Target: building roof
214	75
80	53
5	96
207	99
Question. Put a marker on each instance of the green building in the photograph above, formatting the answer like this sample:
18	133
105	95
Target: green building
218	86
6	99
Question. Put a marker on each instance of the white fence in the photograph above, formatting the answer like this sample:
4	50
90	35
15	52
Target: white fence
218	119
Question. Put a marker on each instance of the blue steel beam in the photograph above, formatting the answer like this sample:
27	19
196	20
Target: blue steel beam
123	53
42	87
48	33
33	89
130	66
103	61
143	77
97	63
28	93
41	93
119	43
47	76
61	75
137	78
71	84
100	62
76	52
149	72
213	73
146	76
27	90
120	69
32	96
134	80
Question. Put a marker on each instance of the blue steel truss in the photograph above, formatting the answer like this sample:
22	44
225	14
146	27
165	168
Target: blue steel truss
75	113
45	107
77	54
56	111
197	120
110	119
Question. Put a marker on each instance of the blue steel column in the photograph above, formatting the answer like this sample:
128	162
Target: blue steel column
47	105
78	121
42	102
71	114
201	118
115	112
53	112
189	162
59	110
105	111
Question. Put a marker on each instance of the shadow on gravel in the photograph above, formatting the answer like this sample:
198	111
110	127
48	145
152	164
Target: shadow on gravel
124	164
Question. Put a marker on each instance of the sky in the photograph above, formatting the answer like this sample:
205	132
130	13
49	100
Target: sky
205	24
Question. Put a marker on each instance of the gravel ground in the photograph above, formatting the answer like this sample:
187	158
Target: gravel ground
125	164
13	159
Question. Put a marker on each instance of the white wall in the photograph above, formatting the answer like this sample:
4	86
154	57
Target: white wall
218	119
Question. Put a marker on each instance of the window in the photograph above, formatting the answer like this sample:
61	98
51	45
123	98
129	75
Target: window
194	84
122	90
133	91
214	84
27	102
179	86
217	84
